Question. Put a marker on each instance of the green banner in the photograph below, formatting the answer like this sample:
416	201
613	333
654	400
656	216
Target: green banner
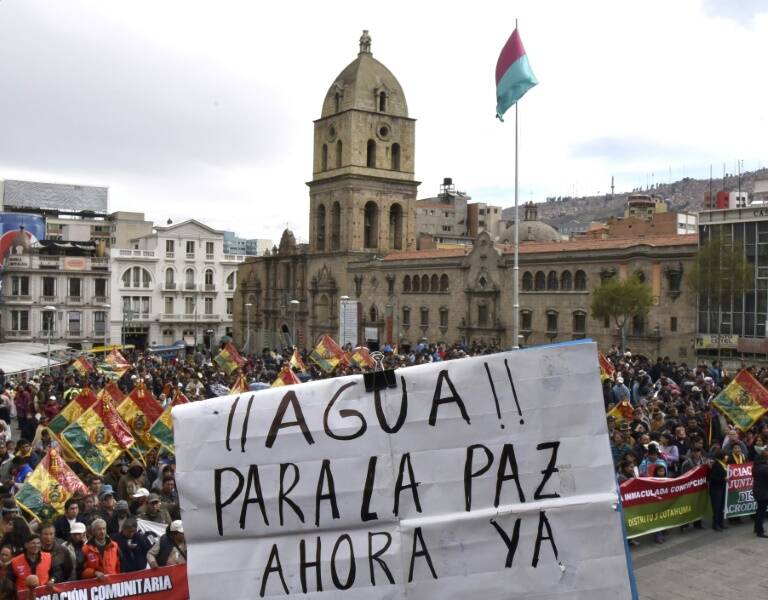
651	504
738	496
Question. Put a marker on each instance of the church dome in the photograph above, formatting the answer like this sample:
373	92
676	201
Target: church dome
531	231
365	84
287	242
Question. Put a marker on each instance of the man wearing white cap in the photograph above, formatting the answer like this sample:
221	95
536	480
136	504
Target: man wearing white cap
170	549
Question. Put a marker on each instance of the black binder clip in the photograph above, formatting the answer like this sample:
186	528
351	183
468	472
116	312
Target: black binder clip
380	378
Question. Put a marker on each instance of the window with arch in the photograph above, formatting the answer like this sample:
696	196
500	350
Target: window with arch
208	279
189	279
580	281
338	154
526	321
396	226
395	157
425	283
416	283
579	324
424	316
324	158
170	276
552	281
382	101
231	280
566	281
443	317
137	277
371	225
540	282
373	315
527	281
335	226
407	283
444	283
406	316
320	226
434	283
370	159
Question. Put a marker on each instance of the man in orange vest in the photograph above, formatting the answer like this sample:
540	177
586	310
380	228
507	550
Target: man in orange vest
32	568
102	555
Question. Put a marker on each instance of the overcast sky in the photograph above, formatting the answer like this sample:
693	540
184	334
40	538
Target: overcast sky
190	109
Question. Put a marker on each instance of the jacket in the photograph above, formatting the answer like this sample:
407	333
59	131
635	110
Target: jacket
760	479
106	560
77	559
133	558
21	569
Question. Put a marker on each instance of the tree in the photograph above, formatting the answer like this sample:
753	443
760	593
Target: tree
619	300
719	277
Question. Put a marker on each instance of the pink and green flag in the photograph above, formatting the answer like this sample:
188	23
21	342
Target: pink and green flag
514	76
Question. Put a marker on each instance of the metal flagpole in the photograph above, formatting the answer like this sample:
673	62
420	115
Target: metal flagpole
516	268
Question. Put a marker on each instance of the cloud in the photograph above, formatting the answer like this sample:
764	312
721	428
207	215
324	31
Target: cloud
623	149
742	12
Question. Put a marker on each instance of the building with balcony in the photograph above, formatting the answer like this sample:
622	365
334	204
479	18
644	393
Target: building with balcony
175	283
72	278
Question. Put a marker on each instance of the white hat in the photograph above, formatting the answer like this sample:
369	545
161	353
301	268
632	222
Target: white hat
619	380
141	493
51	397
177	526
77	528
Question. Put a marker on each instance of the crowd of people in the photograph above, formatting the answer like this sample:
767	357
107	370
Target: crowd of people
104	531
674	427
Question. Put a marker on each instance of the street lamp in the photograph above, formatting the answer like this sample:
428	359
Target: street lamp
248	306
49	311
294	307
210	333
106	314
342	318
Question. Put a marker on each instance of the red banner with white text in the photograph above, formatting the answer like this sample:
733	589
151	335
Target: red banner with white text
168	583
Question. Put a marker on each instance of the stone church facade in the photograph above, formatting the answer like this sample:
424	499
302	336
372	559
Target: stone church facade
363	247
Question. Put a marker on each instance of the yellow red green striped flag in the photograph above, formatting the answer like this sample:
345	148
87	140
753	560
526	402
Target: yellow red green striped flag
162	430
72	411
327	354
140	410
286	376
240	385
48	487
743	400
229	358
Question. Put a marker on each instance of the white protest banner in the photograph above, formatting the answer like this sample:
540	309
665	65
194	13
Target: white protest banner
487	477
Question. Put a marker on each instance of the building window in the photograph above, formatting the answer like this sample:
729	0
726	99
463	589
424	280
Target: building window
190	247
395	157
229	306
338	154
443	317
425	283
99	322
189	305
566	281
324	158
208	306
526	319
169	305
673	323
382	101
552	281
579	324
551	321
100	288
406	316
49	287
20	320
371	225
396	227
189	279
208	250
527	281
416	283
638	325
444	283
209	279
20	285
136	306
168	336
169	248
75	287
580	281
73	319
231	281
434	283
136	277
424	316
370	159
335	226
540	282
407	283
169	277
482	315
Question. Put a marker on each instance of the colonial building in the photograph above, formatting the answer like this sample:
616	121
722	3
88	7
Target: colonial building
363	247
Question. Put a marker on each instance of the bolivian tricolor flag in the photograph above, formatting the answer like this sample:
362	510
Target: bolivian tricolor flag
162	430
606	367
623	411
296	362
48	487
140	410
240	385
286	376
361	357
82	366
229	358
115	365
743	401
327	354
112	393
98	437
72	411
